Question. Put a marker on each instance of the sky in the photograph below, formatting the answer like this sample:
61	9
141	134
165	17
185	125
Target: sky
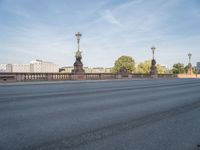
45	29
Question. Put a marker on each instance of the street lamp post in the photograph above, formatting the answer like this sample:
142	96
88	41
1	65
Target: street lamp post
189	55
78	36
78	65
153	51
189	71
153	71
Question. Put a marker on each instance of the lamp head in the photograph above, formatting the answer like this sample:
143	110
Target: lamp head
189	54
153	48
78	35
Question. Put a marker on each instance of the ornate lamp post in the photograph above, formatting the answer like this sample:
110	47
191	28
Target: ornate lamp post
189	55
189	71
153	51
78	36
153	71
78	65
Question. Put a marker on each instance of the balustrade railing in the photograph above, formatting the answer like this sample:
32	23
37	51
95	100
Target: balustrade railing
20	77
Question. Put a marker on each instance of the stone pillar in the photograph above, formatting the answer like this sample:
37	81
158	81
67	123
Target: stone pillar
153	71
123	72
189	70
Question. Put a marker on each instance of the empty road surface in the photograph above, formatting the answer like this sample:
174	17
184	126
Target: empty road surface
104	115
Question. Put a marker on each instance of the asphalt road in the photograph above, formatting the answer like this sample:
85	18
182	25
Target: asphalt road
105	115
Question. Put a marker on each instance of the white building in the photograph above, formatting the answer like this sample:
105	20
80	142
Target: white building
67	69
98	70
108	70
5	67
8	67
42	66
101	70
87	69
2	67
20	67
34	66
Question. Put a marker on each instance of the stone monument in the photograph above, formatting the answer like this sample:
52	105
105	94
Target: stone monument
153	71
123	72
189	70
78	70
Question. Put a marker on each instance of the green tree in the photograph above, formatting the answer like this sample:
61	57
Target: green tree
145	67
178	68
162	69
124	61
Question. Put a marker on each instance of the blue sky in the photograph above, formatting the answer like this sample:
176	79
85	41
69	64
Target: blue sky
44	29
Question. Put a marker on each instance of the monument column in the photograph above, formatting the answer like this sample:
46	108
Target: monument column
189	71
78	65
78	71
153	71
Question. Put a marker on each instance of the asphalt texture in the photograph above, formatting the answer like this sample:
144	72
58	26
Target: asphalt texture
104	115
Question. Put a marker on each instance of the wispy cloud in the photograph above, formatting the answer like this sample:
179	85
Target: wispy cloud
109	17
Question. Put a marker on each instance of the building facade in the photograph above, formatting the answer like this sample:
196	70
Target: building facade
87	69
34	66
66	69
42	66
2	67
20	67
5	67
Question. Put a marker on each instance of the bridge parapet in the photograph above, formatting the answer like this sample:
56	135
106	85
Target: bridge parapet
22	77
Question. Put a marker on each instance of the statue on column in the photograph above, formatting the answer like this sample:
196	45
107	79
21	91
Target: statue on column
153	71
189	70
78	65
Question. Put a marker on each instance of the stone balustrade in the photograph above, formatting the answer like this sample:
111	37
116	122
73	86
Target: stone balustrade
22	77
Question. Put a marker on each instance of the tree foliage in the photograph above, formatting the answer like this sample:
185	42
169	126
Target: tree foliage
124	61
162	70
178	68
145	67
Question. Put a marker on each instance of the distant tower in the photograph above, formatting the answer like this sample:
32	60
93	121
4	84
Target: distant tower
78	65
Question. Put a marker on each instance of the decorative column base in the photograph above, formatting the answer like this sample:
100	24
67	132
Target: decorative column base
153	72
190	71
78	73
123	72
